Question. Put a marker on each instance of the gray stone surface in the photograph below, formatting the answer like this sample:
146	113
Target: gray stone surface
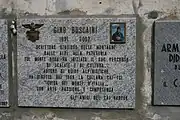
4	86
166	63
50	92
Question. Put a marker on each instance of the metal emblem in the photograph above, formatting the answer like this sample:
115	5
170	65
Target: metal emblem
32	34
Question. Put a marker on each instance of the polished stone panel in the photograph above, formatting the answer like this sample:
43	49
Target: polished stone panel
167	63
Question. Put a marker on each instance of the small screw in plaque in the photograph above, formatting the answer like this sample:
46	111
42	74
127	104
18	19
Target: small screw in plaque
32	34
13	27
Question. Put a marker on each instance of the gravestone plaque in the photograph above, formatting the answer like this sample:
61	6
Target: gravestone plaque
77	62
4	86
167	63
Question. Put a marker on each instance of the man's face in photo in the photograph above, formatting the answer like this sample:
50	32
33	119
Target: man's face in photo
118	30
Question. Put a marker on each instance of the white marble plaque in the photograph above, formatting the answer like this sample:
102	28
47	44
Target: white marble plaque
4	83
77	62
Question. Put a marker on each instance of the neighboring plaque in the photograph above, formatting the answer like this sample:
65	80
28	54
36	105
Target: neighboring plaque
167	63
76	62
4	82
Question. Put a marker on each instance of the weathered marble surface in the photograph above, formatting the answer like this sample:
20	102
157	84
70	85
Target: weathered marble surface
4	83
166	70
27	93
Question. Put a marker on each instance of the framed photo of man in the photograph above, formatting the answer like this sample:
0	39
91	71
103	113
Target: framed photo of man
117	33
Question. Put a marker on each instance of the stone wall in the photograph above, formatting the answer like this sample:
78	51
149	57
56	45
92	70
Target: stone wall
147	11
